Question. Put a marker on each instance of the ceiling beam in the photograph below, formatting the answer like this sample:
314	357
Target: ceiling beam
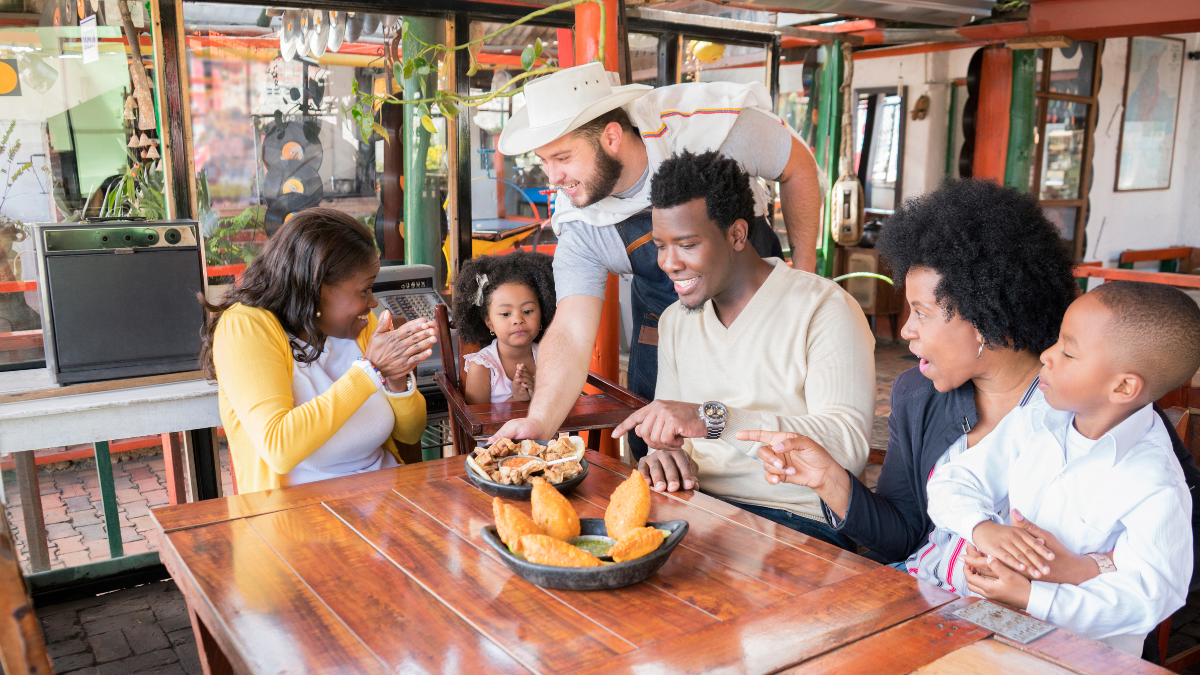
693	24
1096	19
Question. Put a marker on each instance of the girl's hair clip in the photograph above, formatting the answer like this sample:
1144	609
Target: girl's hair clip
482	280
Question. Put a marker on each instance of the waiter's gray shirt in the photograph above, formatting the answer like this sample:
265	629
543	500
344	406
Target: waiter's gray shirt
586	254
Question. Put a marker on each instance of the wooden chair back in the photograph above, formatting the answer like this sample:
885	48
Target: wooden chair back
1175	259
22	645
1181	419
452	372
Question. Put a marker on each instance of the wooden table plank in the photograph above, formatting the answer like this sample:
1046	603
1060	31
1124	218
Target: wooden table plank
788	632
729	512
716	594
899	649
1084	655
541	632
794	569
171	518
990	656
397	619
261	614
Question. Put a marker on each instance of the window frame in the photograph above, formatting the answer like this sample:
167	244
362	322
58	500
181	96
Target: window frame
1044	96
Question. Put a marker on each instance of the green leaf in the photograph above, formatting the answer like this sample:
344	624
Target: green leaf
398	73
408	69
448	108
473	69
537	48
527	58
427	122
378	128
423	109
421	66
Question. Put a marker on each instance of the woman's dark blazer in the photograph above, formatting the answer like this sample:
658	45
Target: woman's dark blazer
893	521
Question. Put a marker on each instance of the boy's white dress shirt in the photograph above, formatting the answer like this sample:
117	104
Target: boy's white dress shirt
1125	494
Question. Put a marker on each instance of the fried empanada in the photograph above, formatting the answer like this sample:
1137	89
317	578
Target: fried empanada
512	523
628	507
552	512
637	543
544	550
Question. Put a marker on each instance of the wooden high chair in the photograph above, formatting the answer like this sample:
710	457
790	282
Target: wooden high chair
470	422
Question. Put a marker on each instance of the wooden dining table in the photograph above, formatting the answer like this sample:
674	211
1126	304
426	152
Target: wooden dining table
387	572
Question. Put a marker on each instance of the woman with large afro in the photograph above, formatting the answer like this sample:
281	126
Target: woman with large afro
988	280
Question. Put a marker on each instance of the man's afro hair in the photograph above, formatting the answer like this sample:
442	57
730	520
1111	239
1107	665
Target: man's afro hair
711	176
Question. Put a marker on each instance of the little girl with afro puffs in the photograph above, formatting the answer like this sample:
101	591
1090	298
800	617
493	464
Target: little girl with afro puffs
504	302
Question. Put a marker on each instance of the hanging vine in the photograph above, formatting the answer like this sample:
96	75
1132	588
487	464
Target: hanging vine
425	61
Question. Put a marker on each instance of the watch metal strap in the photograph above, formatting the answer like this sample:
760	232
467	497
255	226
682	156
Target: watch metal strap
714	432
1103	562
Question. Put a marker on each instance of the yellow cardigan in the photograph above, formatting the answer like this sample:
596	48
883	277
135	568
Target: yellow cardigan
268	435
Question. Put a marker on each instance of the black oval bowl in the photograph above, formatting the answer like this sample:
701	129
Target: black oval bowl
521	492
600	578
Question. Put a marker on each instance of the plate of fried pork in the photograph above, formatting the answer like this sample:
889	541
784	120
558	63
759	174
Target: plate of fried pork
507	467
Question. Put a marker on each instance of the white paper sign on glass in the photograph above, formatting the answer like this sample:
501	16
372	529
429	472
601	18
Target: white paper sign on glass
89	40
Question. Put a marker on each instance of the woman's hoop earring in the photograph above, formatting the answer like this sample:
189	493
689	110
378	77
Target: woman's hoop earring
979	354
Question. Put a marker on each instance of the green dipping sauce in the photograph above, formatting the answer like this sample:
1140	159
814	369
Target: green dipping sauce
598	546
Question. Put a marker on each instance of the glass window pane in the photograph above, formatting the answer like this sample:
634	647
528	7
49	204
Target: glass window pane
269	133
1071	69
1041	68
705	61
1064	218
506	191
1062	157
643	58
70	148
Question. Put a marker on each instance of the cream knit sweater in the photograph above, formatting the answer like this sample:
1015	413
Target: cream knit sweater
800	357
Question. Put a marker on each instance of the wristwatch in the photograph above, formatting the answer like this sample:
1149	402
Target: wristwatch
714	414
1103	562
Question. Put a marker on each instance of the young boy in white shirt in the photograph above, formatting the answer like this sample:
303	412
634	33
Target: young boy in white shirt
1092	464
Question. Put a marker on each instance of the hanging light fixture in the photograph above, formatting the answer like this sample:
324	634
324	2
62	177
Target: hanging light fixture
134	142
129	109
144	140
151	153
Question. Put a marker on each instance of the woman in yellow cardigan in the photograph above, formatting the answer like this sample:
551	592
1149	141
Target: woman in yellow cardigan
311	384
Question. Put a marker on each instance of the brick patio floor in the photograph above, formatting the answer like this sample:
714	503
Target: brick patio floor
146	630
74	512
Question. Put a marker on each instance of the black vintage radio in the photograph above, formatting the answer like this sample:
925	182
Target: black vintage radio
119	298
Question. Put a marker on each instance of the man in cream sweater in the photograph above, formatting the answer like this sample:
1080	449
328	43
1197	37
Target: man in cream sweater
751	344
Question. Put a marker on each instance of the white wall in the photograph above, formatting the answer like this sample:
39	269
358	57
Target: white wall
924	140
1147	219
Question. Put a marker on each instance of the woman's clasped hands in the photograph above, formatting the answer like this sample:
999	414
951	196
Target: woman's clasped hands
397	351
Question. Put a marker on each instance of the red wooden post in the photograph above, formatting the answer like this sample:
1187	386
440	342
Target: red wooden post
606	360
566	48
991	127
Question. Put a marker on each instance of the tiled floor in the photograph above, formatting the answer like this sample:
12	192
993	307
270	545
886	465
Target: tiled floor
146	630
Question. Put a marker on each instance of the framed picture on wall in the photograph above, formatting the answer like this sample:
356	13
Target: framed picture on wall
1153	72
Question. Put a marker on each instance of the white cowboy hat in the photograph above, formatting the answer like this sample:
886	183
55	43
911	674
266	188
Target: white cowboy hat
562	102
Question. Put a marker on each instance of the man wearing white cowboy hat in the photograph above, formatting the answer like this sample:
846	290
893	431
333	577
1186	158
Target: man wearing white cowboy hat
599	145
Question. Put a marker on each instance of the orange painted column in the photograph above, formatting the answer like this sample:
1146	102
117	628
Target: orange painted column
992	120
606	357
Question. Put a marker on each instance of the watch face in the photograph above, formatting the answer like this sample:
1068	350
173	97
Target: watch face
714	411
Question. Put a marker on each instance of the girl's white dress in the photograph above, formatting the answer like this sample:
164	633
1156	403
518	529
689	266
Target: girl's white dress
489	357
